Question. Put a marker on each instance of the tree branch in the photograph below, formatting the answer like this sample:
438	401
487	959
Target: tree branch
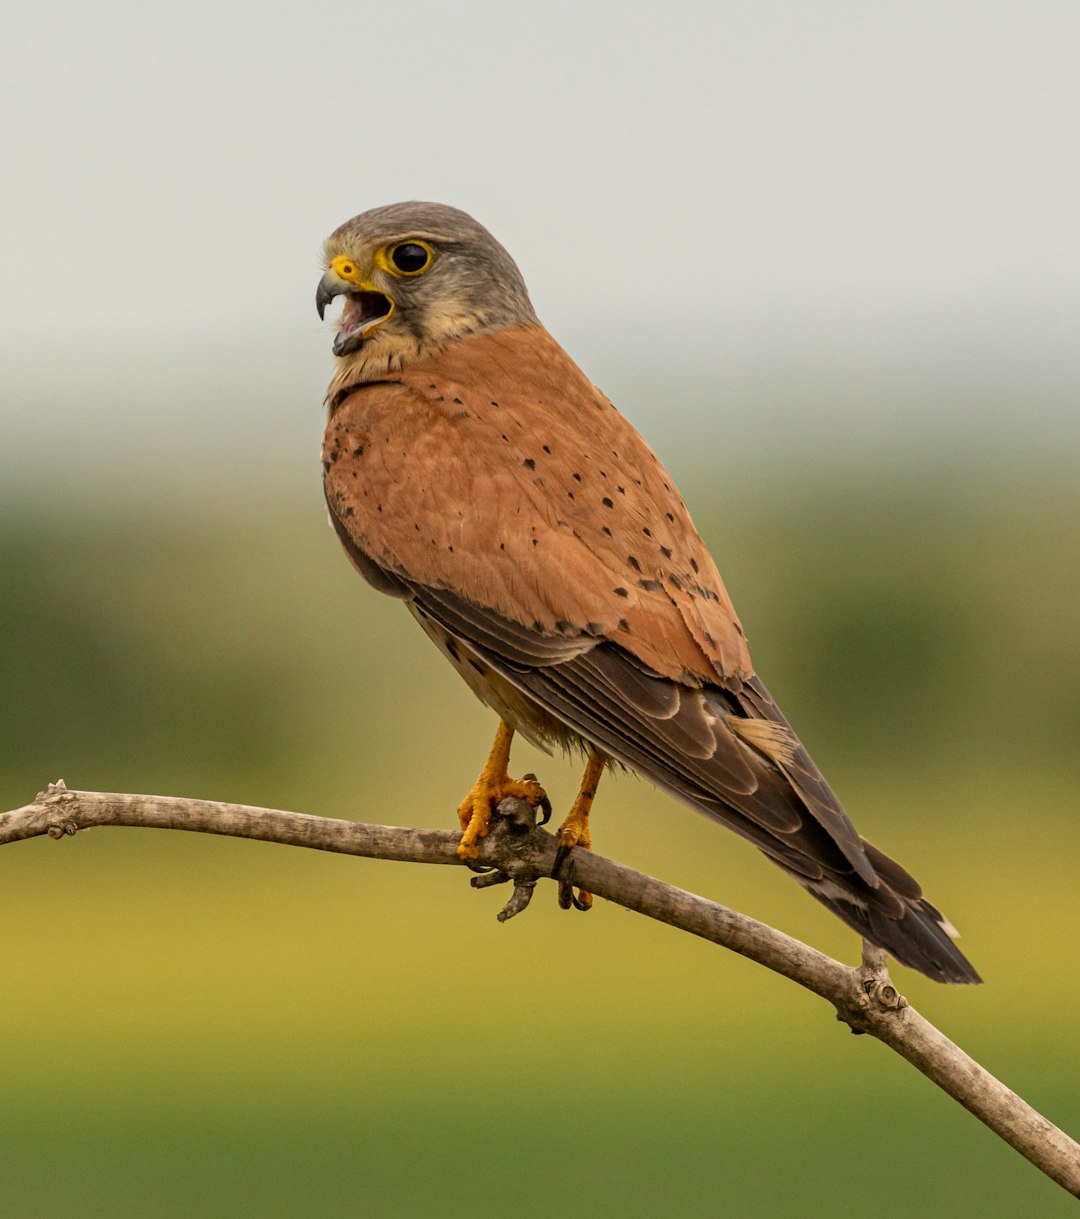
517	850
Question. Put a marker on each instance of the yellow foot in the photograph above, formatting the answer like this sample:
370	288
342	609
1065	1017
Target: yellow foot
574	832
474	812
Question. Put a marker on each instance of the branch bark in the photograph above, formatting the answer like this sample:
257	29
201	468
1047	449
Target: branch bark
516	850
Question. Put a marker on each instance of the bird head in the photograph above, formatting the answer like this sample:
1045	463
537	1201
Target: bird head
415	278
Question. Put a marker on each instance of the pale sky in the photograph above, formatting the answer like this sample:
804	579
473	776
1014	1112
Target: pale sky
822	214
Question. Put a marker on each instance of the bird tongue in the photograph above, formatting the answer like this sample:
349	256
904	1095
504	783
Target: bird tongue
362	309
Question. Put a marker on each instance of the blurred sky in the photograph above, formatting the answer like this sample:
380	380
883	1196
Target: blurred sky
840	223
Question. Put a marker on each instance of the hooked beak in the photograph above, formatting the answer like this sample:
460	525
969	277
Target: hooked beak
330	285
366	308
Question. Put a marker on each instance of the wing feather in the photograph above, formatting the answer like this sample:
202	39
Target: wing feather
508	501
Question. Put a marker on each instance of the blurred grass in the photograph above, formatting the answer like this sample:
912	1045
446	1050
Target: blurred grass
215	1027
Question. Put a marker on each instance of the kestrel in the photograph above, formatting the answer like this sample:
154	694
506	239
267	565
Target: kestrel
472	470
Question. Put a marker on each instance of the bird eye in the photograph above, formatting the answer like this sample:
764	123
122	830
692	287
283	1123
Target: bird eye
410	257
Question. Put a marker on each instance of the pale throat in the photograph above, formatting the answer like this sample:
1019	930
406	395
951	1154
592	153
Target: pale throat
390	350
379	357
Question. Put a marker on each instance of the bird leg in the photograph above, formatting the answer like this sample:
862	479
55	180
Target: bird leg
493	785
574	832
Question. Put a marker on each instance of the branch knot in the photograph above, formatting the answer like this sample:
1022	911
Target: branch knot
515	849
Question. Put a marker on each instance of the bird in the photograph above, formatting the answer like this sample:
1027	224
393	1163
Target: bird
473	471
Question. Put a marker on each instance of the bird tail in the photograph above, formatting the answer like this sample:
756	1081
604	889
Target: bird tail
920	938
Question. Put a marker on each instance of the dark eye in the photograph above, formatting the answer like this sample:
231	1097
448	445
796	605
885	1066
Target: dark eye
410	257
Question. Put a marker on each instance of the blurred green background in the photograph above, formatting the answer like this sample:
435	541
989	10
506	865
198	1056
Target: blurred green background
825	257
211	1026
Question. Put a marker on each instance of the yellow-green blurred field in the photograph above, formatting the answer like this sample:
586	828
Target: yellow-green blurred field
213	1027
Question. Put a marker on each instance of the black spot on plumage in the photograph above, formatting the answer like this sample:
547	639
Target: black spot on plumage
647	532
477	666
458	402
693	564
576	477
624	625
594	628
326	468
608	503
450	549
666	551
650	586
675	583
562	626
633	562
502	545
547	450
495	405
537	625
603	473
529	463
670	517
452	647
358	451
350	511
621	490
605	529
620	592
536	541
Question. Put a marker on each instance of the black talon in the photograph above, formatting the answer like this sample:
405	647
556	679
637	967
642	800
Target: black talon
479	868
545	803
567	896
566	883
561	853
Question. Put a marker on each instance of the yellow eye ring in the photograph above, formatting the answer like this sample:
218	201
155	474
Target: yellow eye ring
406	258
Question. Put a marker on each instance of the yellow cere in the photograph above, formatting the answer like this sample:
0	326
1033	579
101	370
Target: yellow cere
346	269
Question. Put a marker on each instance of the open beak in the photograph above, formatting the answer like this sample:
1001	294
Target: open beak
365	307
330	285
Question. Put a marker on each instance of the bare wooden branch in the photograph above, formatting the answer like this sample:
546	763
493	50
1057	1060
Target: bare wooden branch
517	850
